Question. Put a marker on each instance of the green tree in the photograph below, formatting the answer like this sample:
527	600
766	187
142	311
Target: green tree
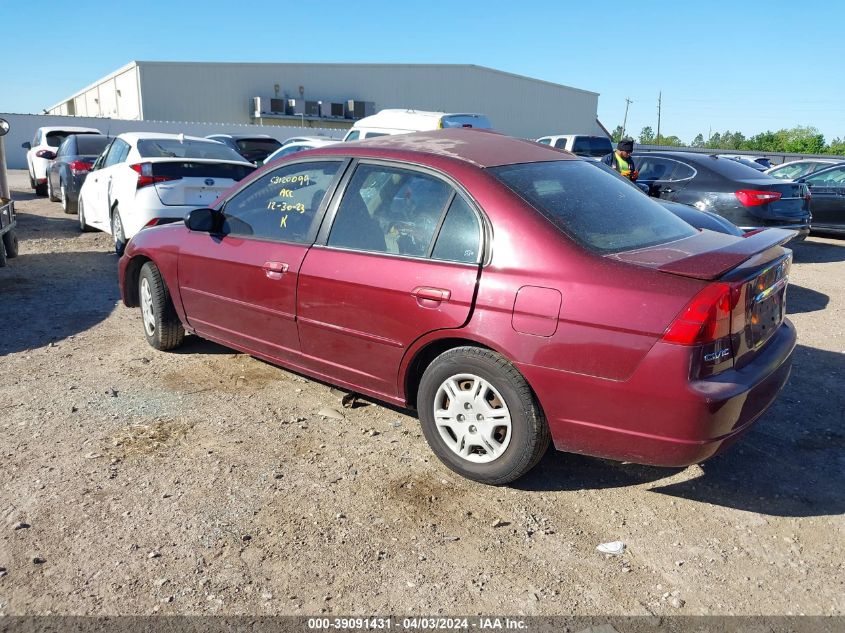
672	141
647	136
836	147
804	140
698	141
617	134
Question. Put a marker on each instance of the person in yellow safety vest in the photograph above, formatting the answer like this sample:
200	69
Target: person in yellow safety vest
621	159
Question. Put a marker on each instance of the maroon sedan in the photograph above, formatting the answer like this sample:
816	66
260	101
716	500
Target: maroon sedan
510	293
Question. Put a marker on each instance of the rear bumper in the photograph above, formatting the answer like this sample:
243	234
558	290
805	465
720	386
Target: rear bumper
658	416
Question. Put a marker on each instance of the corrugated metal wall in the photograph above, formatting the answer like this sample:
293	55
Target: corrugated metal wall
222	92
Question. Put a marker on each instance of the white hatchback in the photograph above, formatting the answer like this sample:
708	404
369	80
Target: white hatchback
47	139
143	179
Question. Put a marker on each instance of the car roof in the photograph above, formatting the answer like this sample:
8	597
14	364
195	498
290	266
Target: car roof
68	128
479	147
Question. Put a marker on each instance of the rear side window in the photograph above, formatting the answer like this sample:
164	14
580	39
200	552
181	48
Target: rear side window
459	238
282	205
118	152
594	146
389	210
594	208
560	143
173	148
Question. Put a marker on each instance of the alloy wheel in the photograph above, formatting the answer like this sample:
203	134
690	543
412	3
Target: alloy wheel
147	311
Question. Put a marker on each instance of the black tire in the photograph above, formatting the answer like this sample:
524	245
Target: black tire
10	243
2	253
117	232
84	228
68	206
41	190
529	433
165	331
51	195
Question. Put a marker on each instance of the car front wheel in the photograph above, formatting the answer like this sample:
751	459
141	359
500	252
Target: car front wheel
162	327
480	416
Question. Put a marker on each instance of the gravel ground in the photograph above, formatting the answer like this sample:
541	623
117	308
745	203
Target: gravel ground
205	482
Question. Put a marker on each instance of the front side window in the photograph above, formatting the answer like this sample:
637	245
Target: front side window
389	210
117	153
544	141
594	208
282	205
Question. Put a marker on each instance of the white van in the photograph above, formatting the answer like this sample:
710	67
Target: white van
389	122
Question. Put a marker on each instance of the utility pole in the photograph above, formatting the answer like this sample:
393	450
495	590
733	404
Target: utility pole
659	100
625	120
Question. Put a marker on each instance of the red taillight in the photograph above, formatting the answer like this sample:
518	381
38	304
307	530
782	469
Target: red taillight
152	222
754	198
145	175
705	319
80	167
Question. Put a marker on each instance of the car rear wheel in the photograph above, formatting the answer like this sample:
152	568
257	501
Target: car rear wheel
51	195
82	226
480	416
41	189
10	244
69	206
117	233
162	327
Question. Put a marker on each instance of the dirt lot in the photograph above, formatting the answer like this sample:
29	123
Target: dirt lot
204	482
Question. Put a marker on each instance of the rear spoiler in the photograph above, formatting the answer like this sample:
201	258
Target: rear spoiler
715	263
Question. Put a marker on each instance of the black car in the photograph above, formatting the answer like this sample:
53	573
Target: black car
827	188
690	215
72	162
746	197
254	147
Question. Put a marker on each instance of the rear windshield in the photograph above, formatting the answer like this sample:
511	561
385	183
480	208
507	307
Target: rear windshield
91	144
258	144
466	120
176	169
54	139
595	146
596	209
732	169
172	148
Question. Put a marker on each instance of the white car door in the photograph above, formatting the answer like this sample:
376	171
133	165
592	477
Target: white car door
98	185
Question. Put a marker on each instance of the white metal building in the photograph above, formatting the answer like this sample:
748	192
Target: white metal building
309	94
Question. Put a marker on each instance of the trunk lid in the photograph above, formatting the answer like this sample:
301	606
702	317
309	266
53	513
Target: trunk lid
195	182
756	271
707	255
793	204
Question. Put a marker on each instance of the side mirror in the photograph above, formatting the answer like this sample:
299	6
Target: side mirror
204	221
46	153
26	145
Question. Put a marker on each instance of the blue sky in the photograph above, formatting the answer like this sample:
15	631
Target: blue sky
720	65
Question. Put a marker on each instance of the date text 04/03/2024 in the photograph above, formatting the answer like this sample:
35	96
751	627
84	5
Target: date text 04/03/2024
416	623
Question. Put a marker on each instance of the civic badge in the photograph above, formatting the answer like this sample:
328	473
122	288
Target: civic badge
209	181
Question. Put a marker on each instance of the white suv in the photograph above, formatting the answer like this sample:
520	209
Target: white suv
47	139
143	179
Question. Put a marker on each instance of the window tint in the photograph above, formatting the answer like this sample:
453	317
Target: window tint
281	205
654	168
54	139
117	153
91	144
460	236
353	135
389	210
593	207
544	141
730	168
188	148
375	134
560	143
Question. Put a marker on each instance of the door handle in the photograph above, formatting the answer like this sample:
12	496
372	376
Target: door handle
275	270
430	297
